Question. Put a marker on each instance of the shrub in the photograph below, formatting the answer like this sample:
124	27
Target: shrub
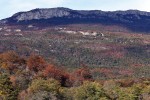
84	73
49	85
81	75
89	91
10	61
111	89
36	63
7	91
52	72
41	89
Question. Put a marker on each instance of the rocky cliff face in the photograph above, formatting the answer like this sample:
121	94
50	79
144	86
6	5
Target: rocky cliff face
133	19
41	14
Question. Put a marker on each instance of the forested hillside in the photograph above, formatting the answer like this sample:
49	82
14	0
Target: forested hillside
30	78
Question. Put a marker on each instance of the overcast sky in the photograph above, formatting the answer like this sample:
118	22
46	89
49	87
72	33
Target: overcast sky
9	7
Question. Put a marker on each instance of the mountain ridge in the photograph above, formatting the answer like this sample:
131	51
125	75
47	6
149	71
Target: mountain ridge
135	20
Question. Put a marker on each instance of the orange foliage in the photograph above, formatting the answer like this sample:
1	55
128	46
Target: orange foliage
84	73
80	75
126	82
13	80
36	63
58	74
10	60
9	56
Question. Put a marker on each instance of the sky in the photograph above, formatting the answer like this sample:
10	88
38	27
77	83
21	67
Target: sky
10	7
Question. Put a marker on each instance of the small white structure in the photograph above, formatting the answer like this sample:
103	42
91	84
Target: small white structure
19	34
30	26
76	42
94	34
18	30
60	28
89	33
102	35
84	33
1	29
69	32
5	28
6	34
103	48
8	30
36	50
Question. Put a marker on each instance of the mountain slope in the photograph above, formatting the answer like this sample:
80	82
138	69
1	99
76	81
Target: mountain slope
133	19
71	38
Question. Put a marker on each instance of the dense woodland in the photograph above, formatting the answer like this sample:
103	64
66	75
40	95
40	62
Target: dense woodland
34	78
109	51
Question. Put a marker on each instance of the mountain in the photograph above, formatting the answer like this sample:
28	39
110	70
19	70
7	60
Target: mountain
132	19
112	44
